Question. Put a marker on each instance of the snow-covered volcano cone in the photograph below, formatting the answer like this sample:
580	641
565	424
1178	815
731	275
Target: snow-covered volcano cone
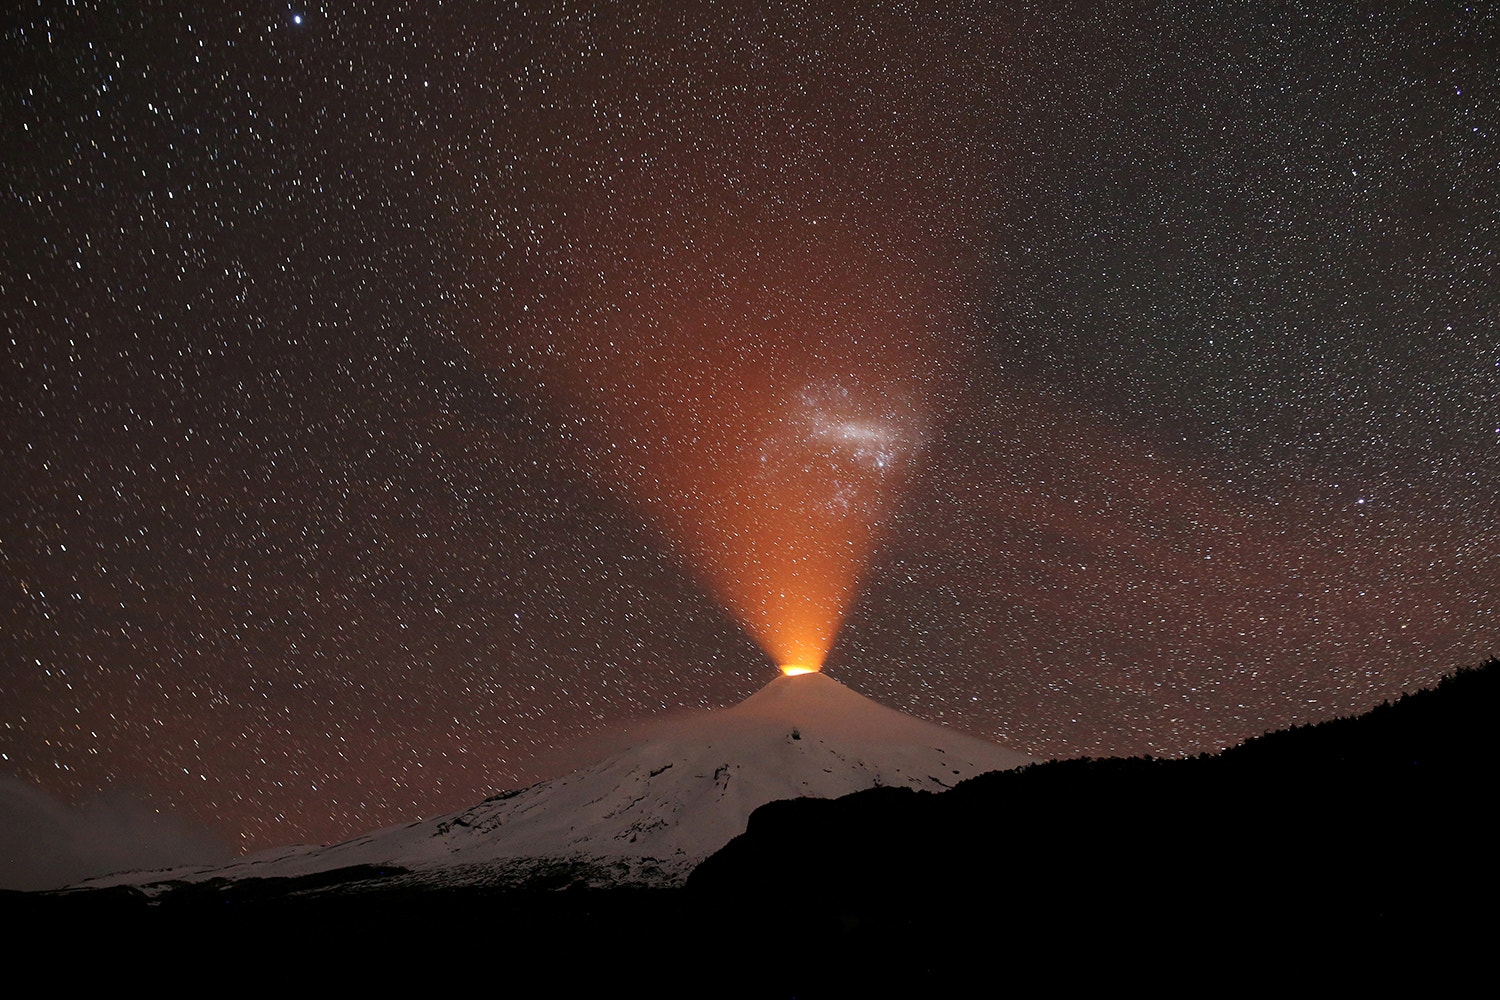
674	797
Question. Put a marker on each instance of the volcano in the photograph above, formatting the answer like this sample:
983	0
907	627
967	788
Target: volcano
649	813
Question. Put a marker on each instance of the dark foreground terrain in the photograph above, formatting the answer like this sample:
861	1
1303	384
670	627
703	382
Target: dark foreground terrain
1355	851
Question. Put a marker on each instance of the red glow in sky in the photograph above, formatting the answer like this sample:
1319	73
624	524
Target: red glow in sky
755	313
760	403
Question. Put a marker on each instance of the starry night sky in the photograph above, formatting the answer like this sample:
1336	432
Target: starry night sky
383	381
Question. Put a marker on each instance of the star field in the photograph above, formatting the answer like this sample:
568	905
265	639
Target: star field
394	393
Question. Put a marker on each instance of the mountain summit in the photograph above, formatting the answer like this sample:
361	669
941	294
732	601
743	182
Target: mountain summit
655	809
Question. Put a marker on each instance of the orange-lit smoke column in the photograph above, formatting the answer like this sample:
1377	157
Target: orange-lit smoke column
762	409
743	288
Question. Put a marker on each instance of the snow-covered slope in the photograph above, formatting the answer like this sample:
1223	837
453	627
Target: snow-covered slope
671	799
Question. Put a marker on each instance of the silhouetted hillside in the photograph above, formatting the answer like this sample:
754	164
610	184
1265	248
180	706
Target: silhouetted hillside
1352	836
1357	849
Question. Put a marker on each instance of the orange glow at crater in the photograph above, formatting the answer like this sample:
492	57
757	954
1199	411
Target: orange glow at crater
793	669
744	324
755	382
760	408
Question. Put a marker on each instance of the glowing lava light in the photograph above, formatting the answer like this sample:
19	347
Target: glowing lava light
763	420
